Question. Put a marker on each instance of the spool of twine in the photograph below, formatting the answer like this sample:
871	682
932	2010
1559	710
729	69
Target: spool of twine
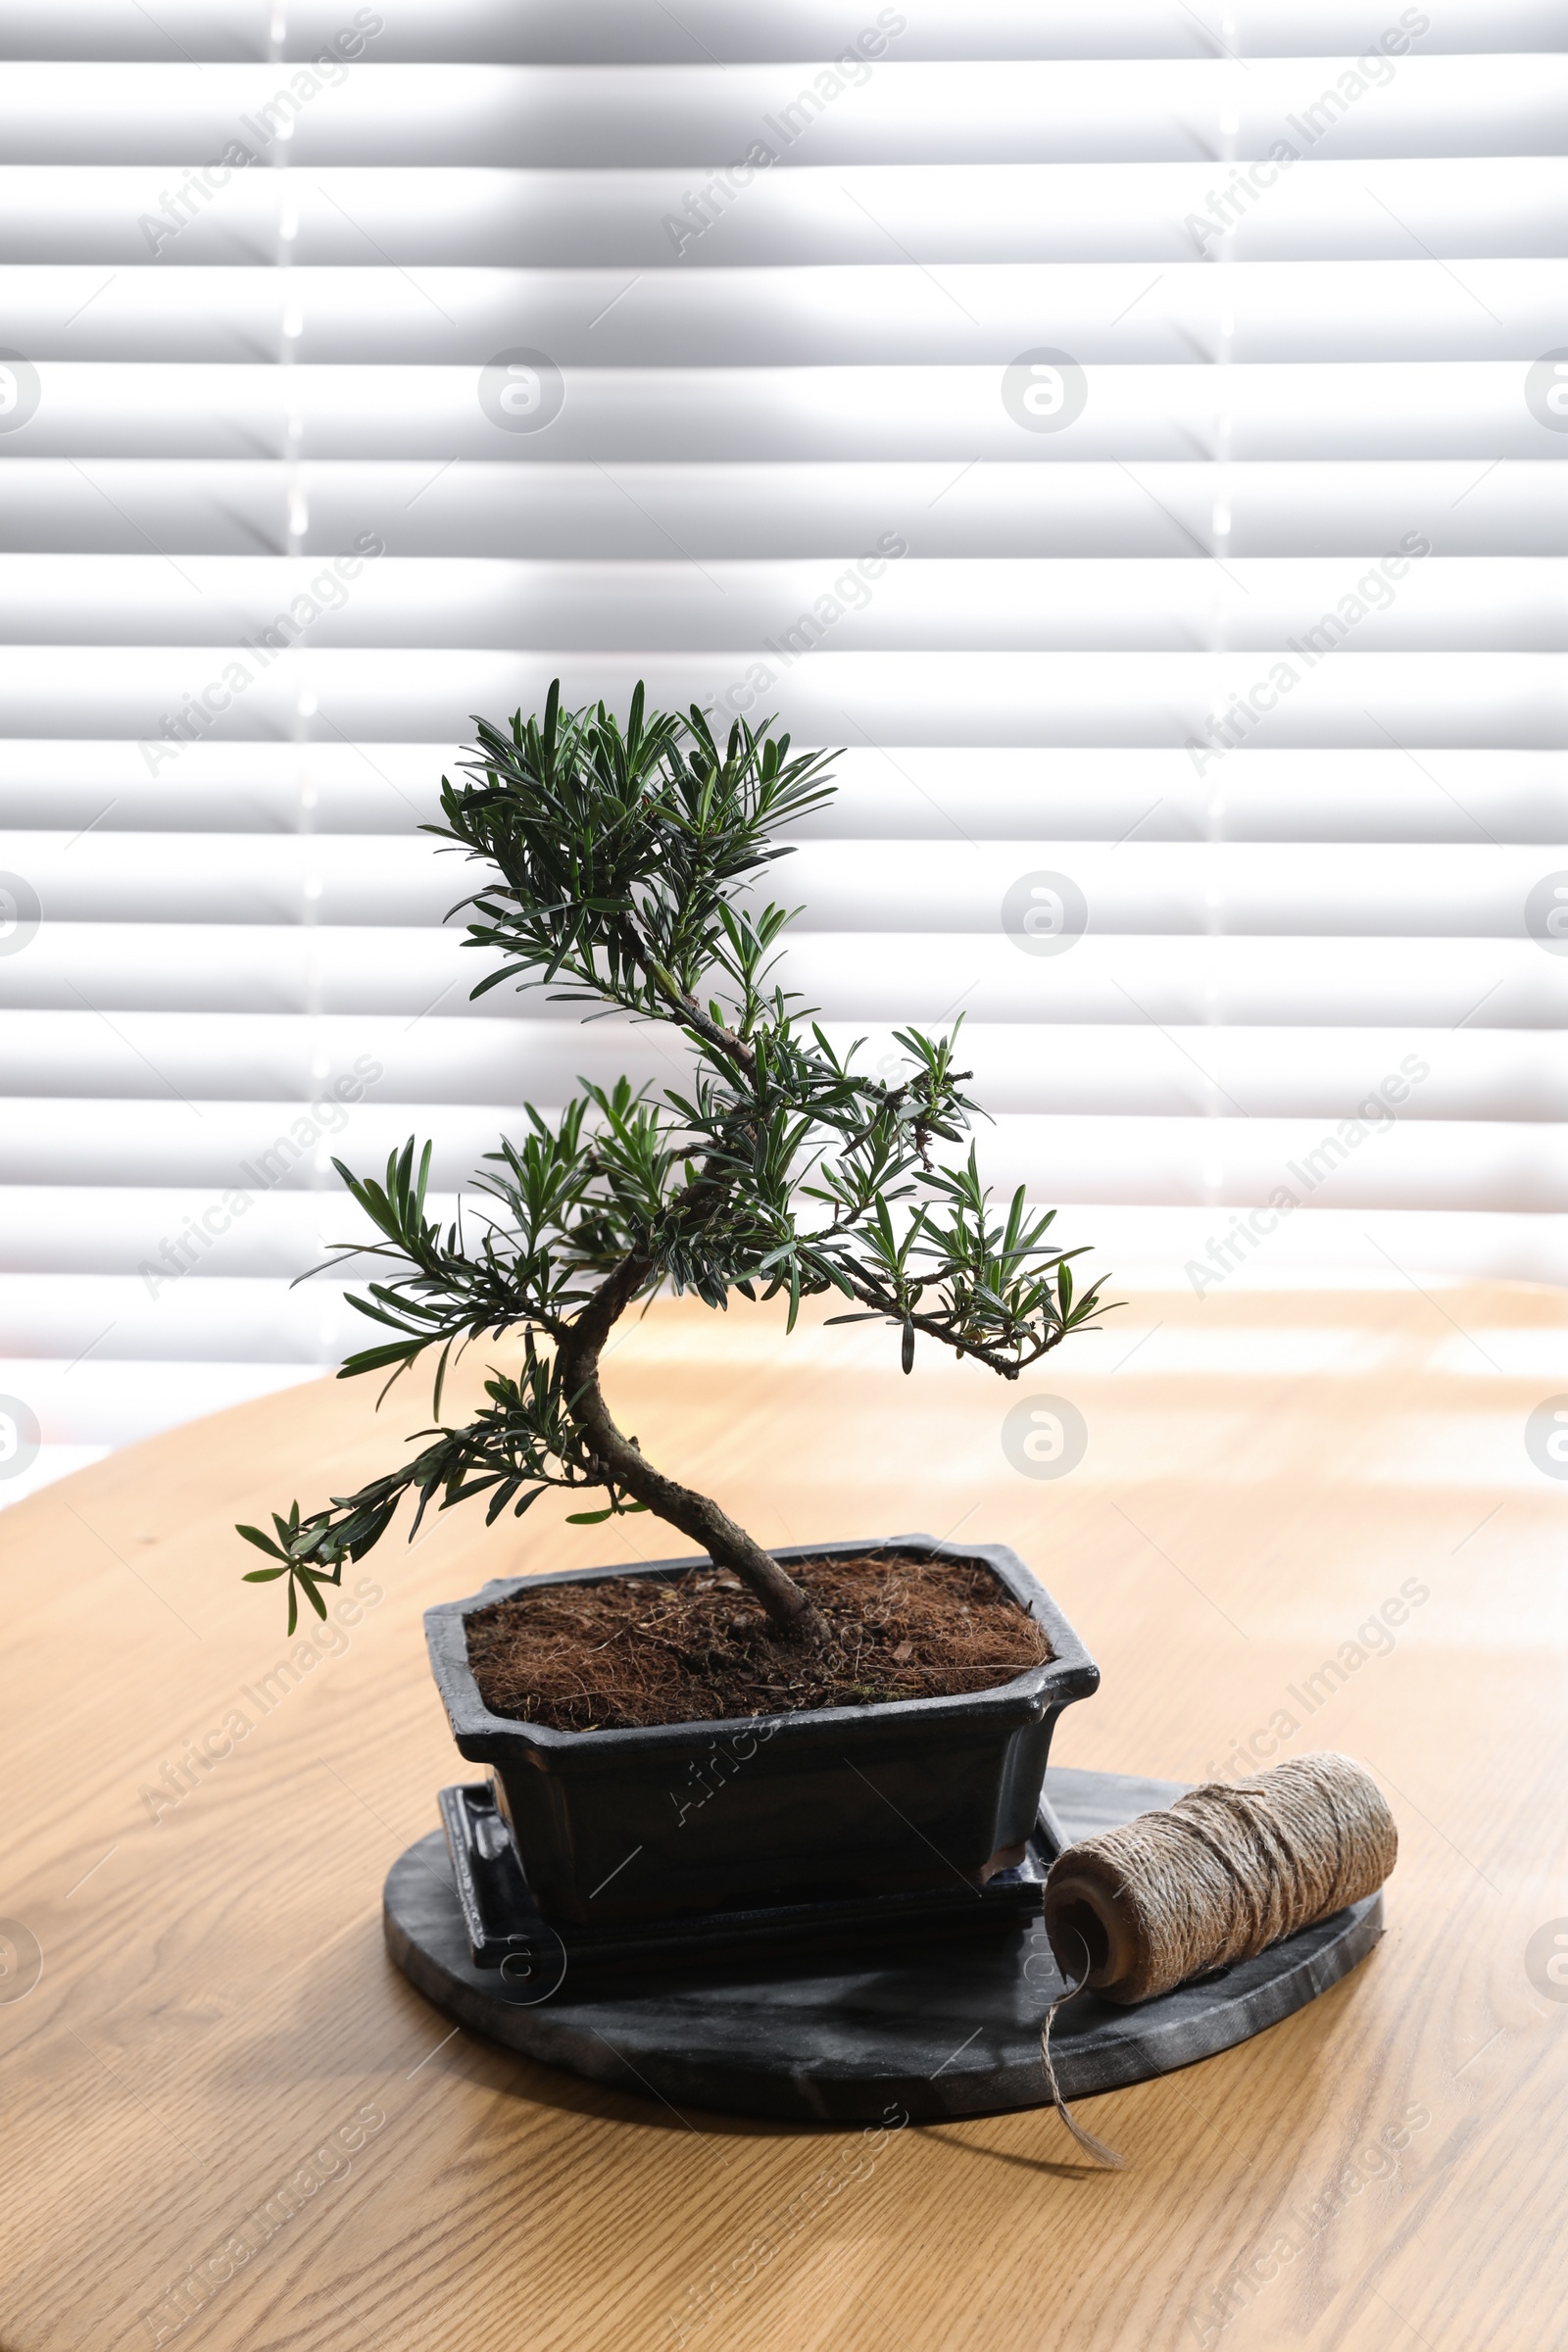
1218	1876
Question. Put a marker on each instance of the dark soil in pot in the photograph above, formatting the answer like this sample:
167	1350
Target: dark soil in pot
629	1652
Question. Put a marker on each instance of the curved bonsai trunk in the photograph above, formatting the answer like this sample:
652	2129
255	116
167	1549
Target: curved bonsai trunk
790	1613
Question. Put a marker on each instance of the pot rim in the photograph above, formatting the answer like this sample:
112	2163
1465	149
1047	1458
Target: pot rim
1069	1671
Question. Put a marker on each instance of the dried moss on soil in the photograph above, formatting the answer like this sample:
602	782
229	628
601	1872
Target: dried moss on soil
638	1650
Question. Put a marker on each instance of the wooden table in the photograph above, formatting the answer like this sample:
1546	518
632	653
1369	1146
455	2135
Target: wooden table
218	2055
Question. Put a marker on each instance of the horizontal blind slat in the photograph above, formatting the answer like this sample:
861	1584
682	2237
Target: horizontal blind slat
916	793
782	510
1516	701
1154	414
152	219
569	31
608	116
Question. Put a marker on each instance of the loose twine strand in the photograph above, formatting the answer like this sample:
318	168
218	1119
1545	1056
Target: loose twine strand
1217	1877
1101	2150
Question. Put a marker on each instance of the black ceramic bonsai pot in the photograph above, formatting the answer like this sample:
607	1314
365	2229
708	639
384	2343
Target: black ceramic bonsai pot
623	1825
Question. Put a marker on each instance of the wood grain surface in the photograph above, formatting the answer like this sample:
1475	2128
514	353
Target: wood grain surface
229	2122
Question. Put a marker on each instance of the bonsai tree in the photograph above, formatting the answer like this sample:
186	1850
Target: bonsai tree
621	869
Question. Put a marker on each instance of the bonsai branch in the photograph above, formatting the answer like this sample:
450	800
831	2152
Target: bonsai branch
788	1610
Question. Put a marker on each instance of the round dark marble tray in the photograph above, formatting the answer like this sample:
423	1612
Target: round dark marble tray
943	2028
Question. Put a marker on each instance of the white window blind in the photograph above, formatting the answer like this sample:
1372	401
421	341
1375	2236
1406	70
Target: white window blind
1134	428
